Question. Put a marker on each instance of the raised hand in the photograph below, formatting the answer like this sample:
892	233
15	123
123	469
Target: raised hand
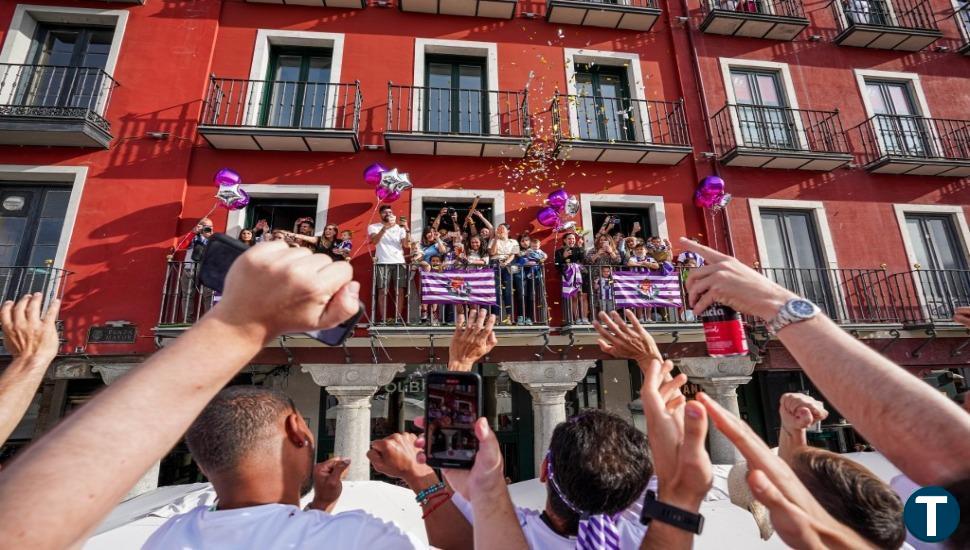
397	456
472	340
795	514
328	483
27	333
299	291
625	341
799	411
726	280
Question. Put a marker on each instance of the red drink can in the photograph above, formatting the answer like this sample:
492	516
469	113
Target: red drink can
724	331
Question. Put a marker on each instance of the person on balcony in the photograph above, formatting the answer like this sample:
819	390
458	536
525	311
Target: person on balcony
476	255
389	238
576	287
485	232
246	236
503	251
604	258
533	276
194	245
345	245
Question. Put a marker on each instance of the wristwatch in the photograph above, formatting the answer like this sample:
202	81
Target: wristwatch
795	310
653	509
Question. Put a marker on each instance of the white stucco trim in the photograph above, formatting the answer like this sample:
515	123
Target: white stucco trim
486	50
955	212
320	192
418	196
267	38
634	76
909	78
73	175
654	203
23	27
787	88
821	226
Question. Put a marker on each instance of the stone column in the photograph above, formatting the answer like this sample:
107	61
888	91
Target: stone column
353	385
149	480
547	382
720	377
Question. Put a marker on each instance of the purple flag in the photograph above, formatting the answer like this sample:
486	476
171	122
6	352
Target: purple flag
459	286
646	289
572	280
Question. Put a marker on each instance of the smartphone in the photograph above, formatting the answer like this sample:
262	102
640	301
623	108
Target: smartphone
222	250
452	404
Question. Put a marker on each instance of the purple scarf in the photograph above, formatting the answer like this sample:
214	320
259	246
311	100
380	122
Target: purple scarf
599	532
572	280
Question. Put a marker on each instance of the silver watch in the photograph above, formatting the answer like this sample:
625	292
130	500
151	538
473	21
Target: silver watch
795	310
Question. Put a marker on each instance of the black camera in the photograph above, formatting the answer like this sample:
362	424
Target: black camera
452	212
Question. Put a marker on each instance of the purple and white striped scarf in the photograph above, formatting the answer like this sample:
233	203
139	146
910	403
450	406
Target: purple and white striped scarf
572	280
596	532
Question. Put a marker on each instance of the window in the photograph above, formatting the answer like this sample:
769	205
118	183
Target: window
280	213
795	257
899	128
628	218
30	224
299	81
586	394
935	242
70	66
763	115
603	107
456	98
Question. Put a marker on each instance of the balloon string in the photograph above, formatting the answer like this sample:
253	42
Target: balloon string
207	214
369	246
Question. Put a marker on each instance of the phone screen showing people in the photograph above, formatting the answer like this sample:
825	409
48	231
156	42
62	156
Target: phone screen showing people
453	402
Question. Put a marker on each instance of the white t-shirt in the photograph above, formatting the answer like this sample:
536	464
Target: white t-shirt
540	536
389	250
505	248
281	526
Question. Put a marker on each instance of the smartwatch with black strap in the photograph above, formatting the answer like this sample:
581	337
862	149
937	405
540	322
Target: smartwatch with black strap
653	509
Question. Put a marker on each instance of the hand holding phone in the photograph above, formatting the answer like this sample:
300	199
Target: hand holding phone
453	402
222	251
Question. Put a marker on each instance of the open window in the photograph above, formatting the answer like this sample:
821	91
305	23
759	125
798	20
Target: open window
461	207
628	218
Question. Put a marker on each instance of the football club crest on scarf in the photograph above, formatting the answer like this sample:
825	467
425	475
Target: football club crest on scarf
459	286
646	289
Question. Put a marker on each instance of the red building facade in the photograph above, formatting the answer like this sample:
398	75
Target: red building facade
840	129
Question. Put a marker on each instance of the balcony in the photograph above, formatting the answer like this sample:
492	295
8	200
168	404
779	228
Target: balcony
605	129
770	19
904	25
928	297
54	106
963	21
913	145
425	308
857	297
457	122
634	15
779	137
496	9
270	115
349	4
16	281
183	301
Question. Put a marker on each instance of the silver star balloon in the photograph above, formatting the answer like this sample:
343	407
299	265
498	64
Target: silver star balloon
395	181
232	196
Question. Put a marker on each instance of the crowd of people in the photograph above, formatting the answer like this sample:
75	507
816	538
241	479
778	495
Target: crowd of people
608	485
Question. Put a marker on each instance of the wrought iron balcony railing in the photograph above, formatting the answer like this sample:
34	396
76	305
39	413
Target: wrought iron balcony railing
778	129
847	296
777	8
278	104
396	297
183	300
619	120
914	137
901	14
55	92
16	281
457	111
930	296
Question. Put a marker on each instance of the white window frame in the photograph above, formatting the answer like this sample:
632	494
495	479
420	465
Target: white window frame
23	29
964	30
787	88
419	196
634	76
267	38
915	86
485	50
956	213
76	176
818	215
321	193
653	203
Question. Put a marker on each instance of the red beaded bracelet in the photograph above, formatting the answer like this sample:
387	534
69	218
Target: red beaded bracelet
436	505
